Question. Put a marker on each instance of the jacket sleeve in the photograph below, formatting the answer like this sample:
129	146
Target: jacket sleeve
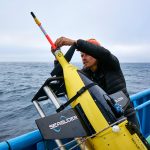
100	53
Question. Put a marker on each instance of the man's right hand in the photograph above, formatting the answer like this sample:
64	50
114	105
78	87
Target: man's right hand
63	41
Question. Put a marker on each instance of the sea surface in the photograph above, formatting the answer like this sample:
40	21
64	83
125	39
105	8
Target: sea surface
19	82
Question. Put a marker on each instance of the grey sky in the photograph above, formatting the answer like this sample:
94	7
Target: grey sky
121	26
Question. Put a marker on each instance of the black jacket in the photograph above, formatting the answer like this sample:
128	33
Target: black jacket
109	75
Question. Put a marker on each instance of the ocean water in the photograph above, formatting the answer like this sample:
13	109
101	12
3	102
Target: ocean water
19	82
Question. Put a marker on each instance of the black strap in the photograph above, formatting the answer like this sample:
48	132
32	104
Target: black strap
81	91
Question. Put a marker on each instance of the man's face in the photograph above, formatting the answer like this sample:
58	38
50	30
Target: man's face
88	61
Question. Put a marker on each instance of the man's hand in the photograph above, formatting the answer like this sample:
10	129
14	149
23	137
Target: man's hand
63	41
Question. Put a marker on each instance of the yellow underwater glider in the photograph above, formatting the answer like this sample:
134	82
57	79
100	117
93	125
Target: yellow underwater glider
93	117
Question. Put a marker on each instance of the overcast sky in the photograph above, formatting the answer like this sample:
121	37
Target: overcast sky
122	26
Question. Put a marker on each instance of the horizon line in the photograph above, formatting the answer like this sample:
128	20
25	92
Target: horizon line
53	62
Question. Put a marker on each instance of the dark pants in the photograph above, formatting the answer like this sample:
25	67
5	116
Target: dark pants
132	118
131	115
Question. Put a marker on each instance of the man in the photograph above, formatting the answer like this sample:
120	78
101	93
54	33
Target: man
100	66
